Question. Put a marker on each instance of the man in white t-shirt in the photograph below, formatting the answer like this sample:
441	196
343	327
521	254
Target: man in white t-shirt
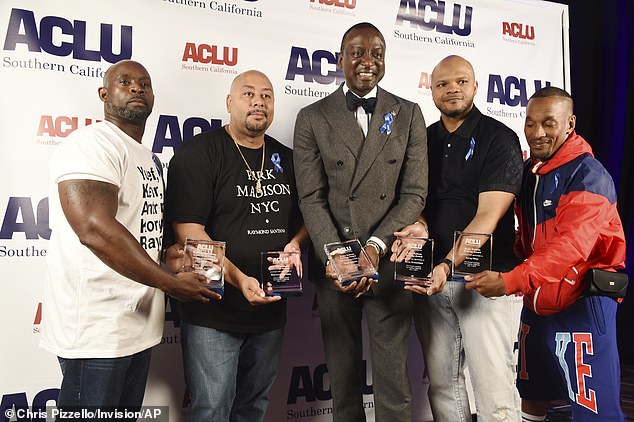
103	305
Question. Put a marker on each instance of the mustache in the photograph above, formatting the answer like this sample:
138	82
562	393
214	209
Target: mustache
138	97
258	111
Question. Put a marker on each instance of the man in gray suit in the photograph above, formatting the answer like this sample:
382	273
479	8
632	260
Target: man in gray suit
361	167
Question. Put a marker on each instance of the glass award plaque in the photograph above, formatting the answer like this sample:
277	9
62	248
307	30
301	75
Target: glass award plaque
206	257
350	261
415	262
279	273
473	251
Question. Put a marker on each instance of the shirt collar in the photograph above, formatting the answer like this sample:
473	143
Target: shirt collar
465	130
368	95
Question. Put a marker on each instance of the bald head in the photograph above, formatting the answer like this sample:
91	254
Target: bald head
451	63
123	63
245	78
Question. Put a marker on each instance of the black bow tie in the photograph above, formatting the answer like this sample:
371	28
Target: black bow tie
353	102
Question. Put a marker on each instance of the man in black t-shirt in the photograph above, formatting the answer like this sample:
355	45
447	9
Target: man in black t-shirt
235	184
475	166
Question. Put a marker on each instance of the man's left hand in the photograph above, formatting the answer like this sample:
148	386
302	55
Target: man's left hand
487	283
253	293
293	246
173	258
365	283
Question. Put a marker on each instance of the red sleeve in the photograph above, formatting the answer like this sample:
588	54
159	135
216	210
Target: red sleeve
518	247
551	278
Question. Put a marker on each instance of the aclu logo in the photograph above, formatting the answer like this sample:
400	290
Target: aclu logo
320	66
335	7
424	84
518	33
52	129
23	220
51	33
518	30
312	385
424	81
170	133
210	54
472	241
20	216
348	4
432	15
511	90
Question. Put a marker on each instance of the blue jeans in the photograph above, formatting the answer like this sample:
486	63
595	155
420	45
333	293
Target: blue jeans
229	374
457	328
109	382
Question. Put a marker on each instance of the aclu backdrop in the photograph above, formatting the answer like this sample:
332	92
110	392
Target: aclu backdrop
54	55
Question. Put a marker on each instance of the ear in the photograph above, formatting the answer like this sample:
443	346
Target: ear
475	88
340	60
228	102
572	121
103	93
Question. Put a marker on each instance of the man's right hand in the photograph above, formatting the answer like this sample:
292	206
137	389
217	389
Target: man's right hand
357	288
189	286
413	230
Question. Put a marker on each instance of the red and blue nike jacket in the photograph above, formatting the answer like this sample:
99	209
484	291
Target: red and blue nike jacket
568	223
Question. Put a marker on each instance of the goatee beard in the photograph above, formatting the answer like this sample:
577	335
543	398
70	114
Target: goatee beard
459	112
256	128
130	115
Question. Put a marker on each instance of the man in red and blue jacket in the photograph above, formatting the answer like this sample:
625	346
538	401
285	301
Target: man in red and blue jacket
568	224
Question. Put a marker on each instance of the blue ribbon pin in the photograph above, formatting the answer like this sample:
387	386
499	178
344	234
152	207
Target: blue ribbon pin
387	126
275	158
471	148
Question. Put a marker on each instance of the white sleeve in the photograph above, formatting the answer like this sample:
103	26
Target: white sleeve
90	154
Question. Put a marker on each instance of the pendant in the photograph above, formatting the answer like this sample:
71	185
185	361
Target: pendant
258	187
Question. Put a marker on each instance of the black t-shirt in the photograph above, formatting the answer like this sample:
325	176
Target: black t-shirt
481	155
209	184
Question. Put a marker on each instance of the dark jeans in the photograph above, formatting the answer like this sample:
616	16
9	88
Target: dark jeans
104	383
229	374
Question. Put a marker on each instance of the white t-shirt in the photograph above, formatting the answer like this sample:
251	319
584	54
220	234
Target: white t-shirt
90	310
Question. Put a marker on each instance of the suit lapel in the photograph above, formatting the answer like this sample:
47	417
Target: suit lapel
343	122
375	140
